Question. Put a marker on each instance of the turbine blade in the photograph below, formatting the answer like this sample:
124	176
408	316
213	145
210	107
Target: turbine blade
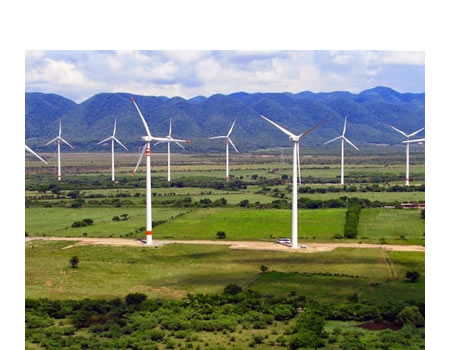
217	137
346	139
401	132
49	142
336	138
170	127
179	144
278	126
232	144
166	139
59	128
109	138
345	126
415	132
417	140
142	117
231	129
120	143
157	143
35	154
68	144
306	132
114	131
140	160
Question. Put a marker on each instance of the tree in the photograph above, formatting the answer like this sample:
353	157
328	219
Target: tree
232	289
135	298
221	235
412	276
244	203
263	268
74	262
411	315
309	328
116	218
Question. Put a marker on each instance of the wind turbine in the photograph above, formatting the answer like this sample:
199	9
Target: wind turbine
113	138
35	154
146	151
58	140
168	148
343	138
227	136
295	164
408	141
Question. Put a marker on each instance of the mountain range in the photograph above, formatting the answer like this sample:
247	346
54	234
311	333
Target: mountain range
84	124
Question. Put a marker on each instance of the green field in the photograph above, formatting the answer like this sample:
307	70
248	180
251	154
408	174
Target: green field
174	270
58	221
391	223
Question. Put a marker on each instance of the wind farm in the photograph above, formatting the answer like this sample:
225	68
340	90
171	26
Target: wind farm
323	248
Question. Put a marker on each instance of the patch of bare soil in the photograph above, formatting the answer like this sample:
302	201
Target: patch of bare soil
379	326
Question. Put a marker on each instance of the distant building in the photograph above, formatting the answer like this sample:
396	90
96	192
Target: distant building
413	205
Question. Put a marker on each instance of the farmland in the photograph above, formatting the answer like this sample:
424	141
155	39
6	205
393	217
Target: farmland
182	278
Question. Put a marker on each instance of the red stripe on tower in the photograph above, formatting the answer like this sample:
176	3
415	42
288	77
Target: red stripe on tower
149	233
147	152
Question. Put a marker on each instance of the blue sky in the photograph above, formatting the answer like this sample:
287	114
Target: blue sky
80	74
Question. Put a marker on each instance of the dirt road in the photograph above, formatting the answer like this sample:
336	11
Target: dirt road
253	245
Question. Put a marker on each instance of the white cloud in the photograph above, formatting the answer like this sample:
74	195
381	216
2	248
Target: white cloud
77	74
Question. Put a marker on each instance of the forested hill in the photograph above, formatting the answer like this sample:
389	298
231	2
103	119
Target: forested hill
84	124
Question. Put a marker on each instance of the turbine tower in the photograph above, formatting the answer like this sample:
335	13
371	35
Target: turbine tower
343	138
407	149
58	140
35	154
168	148
146	150
227	136
113	138
295	164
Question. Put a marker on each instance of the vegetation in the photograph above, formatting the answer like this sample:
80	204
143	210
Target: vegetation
352	220
74	262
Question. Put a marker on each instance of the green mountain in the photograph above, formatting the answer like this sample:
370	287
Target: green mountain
84	124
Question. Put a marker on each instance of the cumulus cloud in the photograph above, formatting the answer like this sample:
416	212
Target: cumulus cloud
80	74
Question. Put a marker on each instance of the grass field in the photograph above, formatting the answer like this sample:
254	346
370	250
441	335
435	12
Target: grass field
391	223
252	224
58	221
174	270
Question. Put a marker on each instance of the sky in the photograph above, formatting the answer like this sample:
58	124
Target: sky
79	75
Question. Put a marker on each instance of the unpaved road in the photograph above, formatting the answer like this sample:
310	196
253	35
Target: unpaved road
253	245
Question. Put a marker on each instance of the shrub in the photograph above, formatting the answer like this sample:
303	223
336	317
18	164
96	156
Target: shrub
116	218
220	235
410	315
412	276
263	268
232	289
74	262
135	298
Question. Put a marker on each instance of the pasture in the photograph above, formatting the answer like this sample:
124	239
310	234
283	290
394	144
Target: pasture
174	270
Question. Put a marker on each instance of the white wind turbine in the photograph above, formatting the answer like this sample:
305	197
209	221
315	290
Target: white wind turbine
168	148
146	151
343	138
227	136
408	141
295	164
113	138
35	154
58	140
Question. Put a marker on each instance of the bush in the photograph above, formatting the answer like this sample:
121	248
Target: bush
135	298
232	289
116	218
410	315
74	262
412	276
263	268
220	235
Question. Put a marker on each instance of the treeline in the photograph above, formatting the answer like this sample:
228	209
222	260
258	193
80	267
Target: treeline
352	220
138	323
